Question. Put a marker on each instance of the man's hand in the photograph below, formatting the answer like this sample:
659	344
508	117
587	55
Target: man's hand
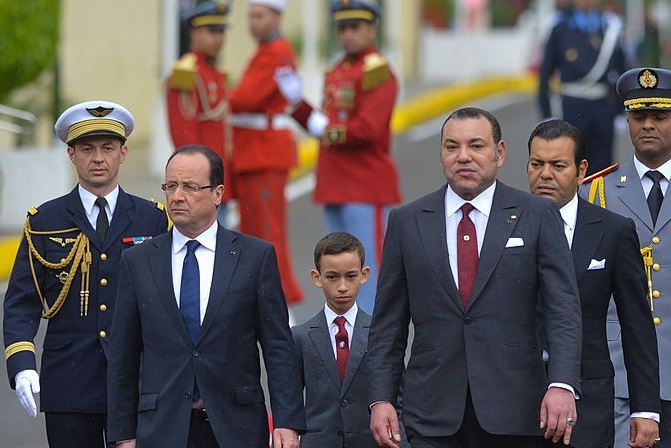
27	384
317	123
285	438
643	432
557	410
290	84
384	425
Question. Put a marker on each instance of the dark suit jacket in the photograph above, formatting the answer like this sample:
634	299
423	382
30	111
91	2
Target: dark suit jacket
153	364
603	235
74	360
336	412
492	346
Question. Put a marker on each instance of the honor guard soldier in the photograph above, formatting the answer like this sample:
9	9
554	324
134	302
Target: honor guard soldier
638	189
357	179
264	148
196	91
584	47
66	272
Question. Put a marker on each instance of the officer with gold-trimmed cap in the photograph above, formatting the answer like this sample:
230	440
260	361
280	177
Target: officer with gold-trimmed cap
66	272
638	189
357	180
196	92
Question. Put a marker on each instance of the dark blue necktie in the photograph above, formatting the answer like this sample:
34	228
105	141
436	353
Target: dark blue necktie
189	296
655	196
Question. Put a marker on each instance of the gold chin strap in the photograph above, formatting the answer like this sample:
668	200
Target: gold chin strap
646	252
80	255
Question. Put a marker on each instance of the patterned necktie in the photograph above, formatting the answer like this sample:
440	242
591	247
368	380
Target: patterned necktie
342	346
467	254
189	295
102	223
655	196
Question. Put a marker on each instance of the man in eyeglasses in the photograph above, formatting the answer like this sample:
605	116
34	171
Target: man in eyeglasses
195	305
66	271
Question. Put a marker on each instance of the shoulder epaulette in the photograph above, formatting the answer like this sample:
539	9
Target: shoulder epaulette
601	173
33	211
184	73
375	71
159	205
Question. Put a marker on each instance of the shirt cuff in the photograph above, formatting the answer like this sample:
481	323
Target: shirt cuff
568	387
644	414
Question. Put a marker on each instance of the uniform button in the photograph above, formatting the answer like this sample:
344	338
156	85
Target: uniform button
187	395
103	282
656	267
467	320
344	403
195	353
655	239
62	260
657	320
103	307
103	256
103	334
656	294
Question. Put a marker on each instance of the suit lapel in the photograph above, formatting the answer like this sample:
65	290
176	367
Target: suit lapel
357	348
226	258
586	237
432	230
124	215
630	192
502	220
318	332
160	263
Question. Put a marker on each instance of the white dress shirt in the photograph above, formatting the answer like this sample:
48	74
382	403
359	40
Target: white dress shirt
646	182
205	256
350	319
91	209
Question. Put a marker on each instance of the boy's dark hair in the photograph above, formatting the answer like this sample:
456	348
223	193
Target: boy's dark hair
337	243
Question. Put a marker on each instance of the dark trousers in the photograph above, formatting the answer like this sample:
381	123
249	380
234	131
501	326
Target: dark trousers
200	431
471	435
70	430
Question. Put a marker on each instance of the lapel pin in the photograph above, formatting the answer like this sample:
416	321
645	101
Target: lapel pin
232	252
623	178
510	220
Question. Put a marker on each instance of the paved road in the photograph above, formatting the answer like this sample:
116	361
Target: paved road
416	153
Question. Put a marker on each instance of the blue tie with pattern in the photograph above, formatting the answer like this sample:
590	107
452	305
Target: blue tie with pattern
189	296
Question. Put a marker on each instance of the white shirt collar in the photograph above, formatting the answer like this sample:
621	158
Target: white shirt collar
350	315
569	212
482	202
641	169
207	239
89	199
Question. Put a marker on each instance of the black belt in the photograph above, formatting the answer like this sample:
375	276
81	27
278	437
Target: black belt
199	414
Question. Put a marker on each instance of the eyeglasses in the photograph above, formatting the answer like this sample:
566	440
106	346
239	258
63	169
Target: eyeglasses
187	188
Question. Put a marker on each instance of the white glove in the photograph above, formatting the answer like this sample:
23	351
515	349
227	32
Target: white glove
290	84
27	384
317	123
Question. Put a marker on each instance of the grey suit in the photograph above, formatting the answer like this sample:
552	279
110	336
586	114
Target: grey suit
491	347
624	195
336	412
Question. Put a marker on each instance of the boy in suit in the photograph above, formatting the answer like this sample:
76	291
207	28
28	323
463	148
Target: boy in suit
331	347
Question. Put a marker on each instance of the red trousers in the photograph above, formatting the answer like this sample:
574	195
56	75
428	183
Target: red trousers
263	214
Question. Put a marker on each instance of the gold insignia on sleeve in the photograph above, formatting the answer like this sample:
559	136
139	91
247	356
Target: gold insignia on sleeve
184	73
21	346
375	71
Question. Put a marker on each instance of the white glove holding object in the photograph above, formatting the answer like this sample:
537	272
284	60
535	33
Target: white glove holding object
317	123
27	384
290	84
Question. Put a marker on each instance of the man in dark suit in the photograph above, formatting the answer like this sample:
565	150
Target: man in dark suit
332	349
607	262
66	271
466	263
192	308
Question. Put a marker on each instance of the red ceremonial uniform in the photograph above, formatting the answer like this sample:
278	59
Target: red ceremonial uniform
198	109
264	149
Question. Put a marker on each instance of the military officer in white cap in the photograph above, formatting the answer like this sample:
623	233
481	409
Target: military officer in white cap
66	272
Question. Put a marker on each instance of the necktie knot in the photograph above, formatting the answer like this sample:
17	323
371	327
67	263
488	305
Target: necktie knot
101	203
340	322
466	209
655	176
191	246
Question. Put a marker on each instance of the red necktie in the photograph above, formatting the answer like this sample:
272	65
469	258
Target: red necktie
467	253
342	346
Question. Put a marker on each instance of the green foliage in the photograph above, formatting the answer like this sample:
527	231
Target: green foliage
29	31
